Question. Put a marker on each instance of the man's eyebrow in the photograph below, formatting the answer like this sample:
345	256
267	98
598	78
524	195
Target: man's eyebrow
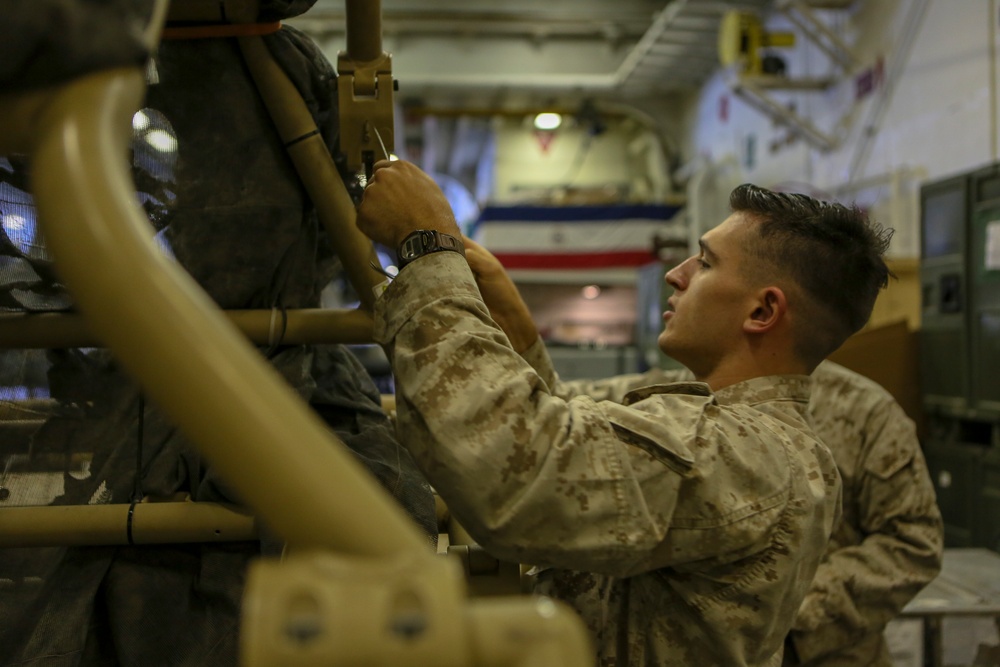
707	250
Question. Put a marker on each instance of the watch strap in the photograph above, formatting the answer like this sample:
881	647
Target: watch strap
424	242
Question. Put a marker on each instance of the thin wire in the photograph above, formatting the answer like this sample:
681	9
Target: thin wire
381	270
380	142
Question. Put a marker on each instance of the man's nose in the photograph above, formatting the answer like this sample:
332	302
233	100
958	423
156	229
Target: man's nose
677	277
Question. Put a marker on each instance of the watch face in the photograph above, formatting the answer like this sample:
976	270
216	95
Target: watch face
413	246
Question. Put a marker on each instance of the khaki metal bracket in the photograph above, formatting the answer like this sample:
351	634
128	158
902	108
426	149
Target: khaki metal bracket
407	610
365	89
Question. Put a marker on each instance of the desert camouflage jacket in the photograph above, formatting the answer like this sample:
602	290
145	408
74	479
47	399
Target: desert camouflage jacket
888	545
684	526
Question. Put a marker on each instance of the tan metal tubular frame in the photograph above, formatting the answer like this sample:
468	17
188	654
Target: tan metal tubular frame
315	167
263	327
408	605
364	30
142	523
278	456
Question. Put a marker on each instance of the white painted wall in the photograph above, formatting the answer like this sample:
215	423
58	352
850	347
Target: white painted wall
938	114
934	114
626	161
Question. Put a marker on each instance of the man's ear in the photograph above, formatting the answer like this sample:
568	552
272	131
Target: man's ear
768	311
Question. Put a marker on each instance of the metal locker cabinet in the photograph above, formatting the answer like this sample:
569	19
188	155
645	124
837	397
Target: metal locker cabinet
983	272
944	368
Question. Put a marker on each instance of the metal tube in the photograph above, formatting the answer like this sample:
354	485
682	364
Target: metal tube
316	168
808	24
274	452
838	49
648	40
149	523
305	326
262	327
364	30
754	97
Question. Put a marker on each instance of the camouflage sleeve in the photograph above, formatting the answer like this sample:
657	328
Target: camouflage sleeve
858	589
535	478
608	389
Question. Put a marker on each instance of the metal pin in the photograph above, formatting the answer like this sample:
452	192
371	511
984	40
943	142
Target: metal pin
379	137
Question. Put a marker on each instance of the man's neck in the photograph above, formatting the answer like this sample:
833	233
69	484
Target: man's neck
727	374
717	381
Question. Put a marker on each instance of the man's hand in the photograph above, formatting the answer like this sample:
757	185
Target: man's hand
400	199
500	294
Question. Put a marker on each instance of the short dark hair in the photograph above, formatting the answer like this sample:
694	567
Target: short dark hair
833	252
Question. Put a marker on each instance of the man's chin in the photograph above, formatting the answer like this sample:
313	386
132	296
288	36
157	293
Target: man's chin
664	343
670	348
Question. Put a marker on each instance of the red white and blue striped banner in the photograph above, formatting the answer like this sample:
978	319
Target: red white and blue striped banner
602	240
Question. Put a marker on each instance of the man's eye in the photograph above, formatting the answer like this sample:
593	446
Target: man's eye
703	264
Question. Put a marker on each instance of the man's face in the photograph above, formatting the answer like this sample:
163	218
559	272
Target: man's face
711	298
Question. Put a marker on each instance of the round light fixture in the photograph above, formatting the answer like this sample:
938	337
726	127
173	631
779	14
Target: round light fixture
547	120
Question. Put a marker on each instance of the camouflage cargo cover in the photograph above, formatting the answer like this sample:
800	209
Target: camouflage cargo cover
702	516
889	543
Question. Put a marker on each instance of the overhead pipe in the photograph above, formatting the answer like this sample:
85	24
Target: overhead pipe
803	17
648	40
753	96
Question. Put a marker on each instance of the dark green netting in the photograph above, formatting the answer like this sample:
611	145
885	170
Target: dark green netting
227	205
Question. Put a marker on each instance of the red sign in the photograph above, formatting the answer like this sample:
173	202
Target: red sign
544	138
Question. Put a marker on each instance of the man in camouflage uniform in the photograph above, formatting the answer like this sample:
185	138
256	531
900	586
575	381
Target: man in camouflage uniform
685	523
888	544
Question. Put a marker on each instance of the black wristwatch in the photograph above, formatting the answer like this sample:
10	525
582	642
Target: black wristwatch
425	241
